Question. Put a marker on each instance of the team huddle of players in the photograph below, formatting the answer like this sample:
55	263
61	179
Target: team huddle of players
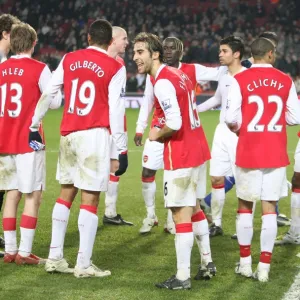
250	144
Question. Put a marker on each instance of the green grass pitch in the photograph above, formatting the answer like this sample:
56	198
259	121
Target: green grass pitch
137	262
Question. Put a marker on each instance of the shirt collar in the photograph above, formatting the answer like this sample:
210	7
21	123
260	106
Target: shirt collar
159	70
261	66
21	56
98	49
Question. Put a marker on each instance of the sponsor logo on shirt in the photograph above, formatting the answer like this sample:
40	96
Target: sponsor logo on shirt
166	104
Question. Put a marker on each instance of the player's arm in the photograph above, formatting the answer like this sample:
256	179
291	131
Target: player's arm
166	95
212	102
208	73
292	114
43	83
233	116
145	110
47	96
116	118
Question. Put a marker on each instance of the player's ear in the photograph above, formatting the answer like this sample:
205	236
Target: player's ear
89	38
111	41
5	35
155	55
236	54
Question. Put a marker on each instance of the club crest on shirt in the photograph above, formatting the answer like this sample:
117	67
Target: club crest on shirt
123	92
145	158
166	104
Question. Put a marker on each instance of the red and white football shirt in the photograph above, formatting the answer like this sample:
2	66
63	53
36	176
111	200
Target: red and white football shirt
184	149
23	80
262	100
93	83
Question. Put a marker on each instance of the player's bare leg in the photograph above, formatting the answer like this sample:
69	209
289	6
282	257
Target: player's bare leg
217	204
87	224
9	222
148	191
111	196
27	226
60	218
244	229
267	240
207	268
293	235
184	239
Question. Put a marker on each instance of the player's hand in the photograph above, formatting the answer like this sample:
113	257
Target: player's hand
123	164
154	135
138	139
35	141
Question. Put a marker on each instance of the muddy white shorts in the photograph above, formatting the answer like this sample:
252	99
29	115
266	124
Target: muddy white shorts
84	159
24	172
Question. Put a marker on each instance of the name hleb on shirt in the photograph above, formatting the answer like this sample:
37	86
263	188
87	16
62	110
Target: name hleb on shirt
87	65
264	82
12	71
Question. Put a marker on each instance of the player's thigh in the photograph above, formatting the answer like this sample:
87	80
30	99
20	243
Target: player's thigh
249	184
31	171
231	141
220	164
67	161
8	173
93	159
201	183
274	184
153	155
180	187
297	158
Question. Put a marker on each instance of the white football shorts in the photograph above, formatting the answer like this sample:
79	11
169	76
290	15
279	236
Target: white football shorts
153	155
180	186
297	158
114	154
24	172
223	152
84	159
261	184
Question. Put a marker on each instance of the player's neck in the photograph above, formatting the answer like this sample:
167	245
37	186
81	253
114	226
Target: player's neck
112	52
235	68
28	53
156	65
175	65
3	50
261	62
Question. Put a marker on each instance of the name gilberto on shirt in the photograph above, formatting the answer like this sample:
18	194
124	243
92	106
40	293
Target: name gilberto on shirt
87	65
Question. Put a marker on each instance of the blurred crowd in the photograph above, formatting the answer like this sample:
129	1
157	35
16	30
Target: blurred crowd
62	26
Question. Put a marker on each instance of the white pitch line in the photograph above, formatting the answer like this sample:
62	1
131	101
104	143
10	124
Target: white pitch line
294	291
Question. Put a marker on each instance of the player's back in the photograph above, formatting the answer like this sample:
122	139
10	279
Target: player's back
190	71
262	140
19	95
185	148
87	75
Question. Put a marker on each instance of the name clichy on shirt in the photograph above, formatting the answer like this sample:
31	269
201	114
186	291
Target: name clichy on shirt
87	65
264	82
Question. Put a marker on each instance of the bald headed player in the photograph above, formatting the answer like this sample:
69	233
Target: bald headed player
116	48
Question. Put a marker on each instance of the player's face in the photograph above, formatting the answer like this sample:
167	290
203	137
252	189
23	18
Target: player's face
171	54
142	57
225	55
121	42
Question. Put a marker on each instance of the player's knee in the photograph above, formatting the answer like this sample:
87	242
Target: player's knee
296	180
217	180
146	173
114	165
